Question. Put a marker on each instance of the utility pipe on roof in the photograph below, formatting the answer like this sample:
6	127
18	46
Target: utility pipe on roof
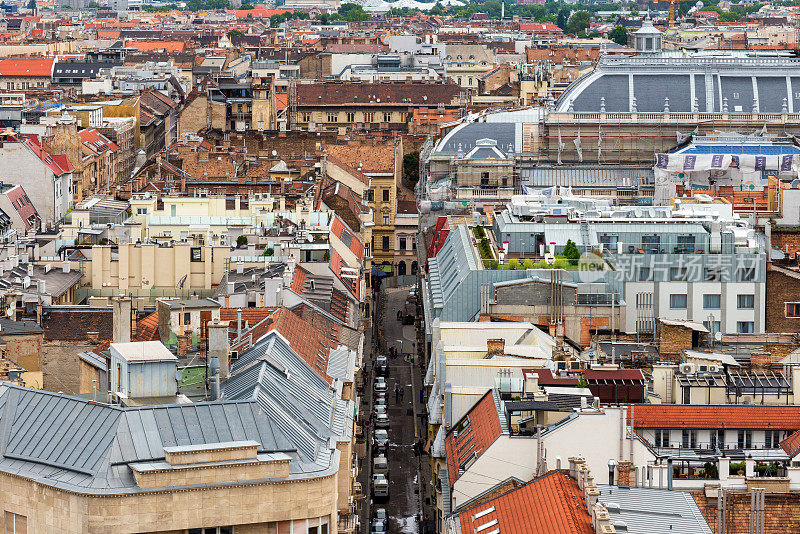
622	422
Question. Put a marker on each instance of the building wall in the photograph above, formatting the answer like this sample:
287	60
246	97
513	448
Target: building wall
50	194
250	508
24	349
728	314
782	287
195	116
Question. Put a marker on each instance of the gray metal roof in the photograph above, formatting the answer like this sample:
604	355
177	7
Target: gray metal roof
706	81
78	445
465	137
298	400
653	511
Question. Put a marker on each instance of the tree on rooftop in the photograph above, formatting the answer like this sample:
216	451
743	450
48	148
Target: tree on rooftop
241	241
352	13
578	22
571	252
233	33
619	35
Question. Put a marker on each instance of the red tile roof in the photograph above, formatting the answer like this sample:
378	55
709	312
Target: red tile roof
546	378
612	375
732	416
147	328
551	504
298	280
345	234
792	444
479	429
21	66
250	316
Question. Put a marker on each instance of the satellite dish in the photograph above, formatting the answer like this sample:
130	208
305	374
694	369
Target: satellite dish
274	152
10	312
718	336
550	259
178	375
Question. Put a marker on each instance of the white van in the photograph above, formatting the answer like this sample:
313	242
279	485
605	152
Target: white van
380	486
380	465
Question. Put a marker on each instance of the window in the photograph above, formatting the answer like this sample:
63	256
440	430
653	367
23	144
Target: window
15	523
187	318
369	117
744	439
196	254
609	241
677	301
689	439
386	221
386	195
686	395
745	327
651	244
387	117
746	274
717	439
793	309
685	244
484	179
306	117
662	438
677	274
711	302
351	117
370	195
712	274
402	243
644	274
333	117
745	302
386	242
713	328
772	439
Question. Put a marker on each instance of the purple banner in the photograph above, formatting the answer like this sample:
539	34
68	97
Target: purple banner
786	163
688	162
662	160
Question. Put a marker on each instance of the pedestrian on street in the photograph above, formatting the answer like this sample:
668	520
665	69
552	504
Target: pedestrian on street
402	393
396	393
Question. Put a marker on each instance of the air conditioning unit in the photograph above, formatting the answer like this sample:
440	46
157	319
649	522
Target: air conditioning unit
715	369
687	368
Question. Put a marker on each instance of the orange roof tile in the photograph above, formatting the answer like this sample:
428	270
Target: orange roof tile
478	430
741	416
147	328
23	66
551	504
159	46
251	316
791	444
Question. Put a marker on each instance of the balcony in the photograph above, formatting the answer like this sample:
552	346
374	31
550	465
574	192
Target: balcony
348	523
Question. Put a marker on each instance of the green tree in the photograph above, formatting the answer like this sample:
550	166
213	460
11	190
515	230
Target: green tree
563	18
93	5
352	13
411	168
437	9
247	6
32	5
571	252
619	35
241	241
578	22
194	5
233	33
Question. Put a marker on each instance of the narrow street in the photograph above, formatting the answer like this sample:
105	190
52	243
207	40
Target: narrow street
403	504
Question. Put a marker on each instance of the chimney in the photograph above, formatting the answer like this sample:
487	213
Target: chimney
30	269
495	347
601	520
122	320
65	267
238	324
219	346
93	337
624	473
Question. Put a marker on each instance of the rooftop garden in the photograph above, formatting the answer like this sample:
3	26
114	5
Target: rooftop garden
567	261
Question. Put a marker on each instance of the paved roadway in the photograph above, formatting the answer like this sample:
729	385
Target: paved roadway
403	504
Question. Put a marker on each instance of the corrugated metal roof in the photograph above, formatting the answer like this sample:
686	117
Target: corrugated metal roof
652	510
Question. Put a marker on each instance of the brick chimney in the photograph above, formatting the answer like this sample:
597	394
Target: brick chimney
624	473
495	347
184	342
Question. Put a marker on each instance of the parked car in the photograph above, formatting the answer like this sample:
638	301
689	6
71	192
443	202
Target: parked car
380	440
382	365
380	384
380	408
380	514
380	486
380	466
378	527
382	420
380	399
